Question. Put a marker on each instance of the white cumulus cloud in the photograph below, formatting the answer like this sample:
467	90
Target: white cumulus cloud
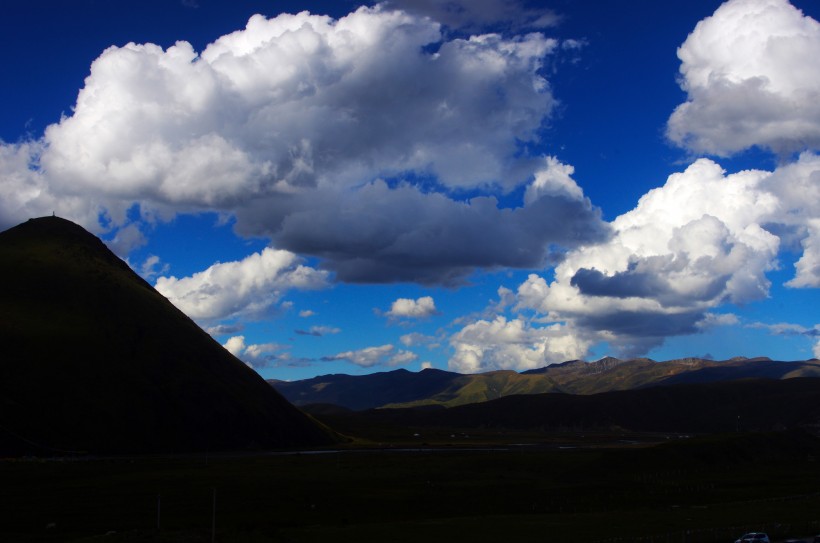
415	309
249	287
257	355
319	134
703	239
750	75
513	344
808	267
235	345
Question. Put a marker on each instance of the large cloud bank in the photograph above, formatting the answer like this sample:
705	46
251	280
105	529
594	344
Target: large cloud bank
702	240
390	149
705	238
350	139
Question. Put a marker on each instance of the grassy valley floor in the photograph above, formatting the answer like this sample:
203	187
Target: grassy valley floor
695	490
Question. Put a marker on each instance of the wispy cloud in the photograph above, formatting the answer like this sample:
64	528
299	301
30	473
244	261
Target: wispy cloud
225	329
786	329
318	331
153	266
383	355
415	339
471	15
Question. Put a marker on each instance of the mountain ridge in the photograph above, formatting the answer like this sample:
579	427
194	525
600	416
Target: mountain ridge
572	377
723	407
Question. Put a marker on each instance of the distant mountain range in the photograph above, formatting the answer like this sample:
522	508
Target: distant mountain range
432	387
746	405
94	360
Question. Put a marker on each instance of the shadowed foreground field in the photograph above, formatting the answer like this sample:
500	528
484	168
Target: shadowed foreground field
704	489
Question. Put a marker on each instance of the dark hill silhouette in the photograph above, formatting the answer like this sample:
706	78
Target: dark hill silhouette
95	360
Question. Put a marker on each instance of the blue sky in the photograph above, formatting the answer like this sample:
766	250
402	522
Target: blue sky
336	187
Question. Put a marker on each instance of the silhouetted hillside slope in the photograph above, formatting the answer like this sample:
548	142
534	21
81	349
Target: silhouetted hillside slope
402	388
95	360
